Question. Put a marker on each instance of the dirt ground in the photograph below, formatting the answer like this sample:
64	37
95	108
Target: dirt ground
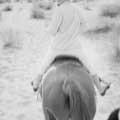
20	65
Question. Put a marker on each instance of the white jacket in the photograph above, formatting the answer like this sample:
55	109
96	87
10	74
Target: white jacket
65	27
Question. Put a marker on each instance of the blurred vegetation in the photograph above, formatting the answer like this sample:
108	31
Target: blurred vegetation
111	11
38	14
11	38
41	9
3	1
7	8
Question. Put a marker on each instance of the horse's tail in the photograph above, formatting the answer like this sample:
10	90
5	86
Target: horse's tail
78	108
115	115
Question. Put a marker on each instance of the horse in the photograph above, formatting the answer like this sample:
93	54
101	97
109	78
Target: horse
67	91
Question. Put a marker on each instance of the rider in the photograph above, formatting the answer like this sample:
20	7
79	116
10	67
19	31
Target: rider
65	28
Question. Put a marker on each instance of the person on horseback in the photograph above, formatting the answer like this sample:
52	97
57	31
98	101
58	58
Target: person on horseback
64	29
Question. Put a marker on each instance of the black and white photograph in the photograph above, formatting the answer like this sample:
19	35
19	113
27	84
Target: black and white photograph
59	59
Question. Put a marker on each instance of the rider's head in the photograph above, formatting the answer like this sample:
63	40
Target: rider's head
59	2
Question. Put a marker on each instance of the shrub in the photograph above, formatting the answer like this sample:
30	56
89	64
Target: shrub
40	8
11	38
29	0
38	14
7	8
45	5
2	1
111	11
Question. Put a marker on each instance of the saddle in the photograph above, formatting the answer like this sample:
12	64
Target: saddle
66	58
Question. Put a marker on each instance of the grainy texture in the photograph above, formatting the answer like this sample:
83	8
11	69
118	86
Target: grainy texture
19	66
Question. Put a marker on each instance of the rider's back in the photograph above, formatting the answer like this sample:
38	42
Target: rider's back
69	27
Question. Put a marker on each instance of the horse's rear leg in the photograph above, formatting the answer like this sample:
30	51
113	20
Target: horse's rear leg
48	114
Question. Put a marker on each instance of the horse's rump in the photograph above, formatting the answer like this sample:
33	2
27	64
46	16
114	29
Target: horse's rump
68	91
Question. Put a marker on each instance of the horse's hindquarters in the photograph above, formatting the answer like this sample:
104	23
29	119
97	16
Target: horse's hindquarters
68	88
